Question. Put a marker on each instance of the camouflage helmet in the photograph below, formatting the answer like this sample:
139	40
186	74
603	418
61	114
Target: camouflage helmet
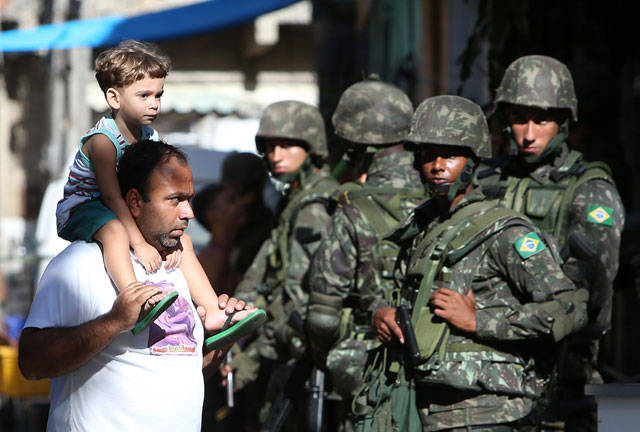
451	120
294	120
539	81
372	112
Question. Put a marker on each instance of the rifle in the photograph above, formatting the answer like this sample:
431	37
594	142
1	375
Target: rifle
302	376
411	350
293	387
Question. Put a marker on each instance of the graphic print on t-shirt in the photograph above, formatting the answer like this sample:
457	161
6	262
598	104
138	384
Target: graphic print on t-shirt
172	332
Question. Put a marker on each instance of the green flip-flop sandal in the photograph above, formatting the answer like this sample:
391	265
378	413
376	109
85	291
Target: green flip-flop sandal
155	312
232	332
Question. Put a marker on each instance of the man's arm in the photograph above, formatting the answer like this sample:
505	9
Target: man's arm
54	351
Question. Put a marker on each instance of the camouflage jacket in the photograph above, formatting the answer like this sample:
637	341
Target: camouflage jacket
594	212
350	260
523	303
276	279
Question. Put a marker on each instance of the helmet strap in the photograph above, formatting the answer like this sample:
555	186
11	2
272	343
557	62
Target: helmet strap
452	190
282	182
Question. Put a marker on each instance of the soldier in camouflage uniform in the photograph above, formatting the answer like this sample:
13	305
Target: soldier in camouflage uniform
488	296
353	266
575	201
292	140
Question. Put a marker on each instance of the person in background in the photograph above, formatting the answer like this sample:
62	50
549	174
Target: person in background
292	140
352	269
564	195
246	175
487	297
223	216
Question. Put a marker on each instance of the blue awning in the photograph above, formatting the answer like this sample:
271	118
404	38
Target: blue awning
174	23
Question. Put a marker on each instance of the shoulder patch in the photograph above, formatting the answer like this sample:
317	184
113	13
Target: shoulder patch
529	245
600	215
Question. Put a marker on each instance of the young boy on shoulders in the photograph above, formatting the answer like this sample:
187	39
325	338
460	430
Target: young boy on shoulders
131	77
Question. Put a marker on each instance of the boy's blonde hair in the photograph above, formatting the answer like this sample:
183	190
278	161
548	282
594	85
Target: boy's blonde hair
129	62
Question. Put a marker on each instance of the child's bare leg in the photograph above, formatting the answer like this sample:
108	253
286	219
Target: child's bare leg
115	250
201	290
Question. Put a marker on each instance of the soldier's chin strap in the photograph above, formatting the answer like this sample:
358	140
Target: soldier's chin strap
554	146
451	190
282	182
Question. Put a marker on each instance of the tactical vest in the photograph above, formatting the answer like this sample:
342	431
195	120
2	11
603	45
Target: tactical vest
383	215
346	359
547	205
278	259
452	359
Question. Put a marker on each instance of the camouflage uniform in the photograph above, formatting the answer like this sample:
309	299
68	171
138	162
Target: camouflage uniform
523	300
570	199
353	266
276	278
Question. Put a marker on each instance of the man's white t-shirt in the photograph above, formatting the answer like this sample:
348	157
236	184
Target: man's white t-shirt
146	382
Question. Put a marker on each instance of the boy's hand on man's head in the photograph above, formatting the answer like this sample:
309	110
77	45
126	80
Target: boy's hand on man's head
148	256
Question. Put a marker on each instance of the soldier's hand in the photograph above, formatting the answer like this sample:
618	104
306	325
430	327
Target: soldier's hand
457	309
387	328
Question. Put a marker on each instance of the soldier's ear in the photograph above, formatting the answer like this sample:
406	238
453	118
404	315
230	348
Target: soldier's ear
134	201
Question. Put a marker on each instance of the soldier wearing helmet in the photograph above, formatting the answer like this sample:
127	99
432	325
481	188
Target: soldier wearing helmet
292	140
353	266
478	280
573	200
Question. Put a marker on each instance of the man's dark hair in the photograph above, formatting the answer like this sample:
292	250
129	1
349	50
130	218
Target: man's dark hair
139	160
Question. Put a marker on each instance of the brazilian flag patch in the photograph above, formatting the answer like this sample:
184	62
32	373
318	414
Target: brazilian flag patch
529	245
600	215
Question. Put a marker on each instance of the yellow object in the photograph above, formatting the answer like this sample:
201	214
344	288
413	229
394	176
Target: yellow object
12	382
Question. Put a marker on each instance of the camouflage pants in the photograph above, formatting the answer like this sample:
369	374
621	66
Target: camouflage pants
445	409
570	410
